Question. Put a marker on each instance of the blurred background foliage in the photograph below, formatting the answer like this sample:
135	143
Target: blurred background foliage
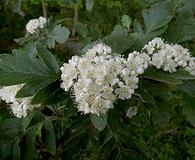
164	127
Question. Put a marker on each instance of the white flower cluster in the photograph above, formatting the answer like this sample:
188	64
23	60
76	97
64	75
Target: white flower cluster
98	78
19	106
35	24
169	57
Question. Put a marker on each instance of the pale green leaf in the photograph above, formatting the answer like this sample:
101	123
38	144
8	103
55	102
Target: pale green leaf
126	21
119	40
100	121
157	16
89	5
60	34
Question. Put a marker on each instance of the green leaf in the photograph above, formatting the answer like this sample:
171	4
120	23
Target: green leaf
188	87
189	108
126	21
119	30
50	41
138	27
157	16
182	29
161	76
29	48
127	140
48	136
33	87
116	145
82	29
22	68
161	118
26	120
48	59
106	148
145	96
100	121
10	132
78	137
89	5
189	5
183	75
177	4
119	40
4	111
156	33
18	6
37	119
28	144
51	94
60	34
10	129
26	68
26	39
16	150
10	151
113	120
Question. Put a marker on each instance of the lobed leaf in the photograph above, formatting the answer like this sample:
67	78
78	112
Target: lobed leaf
157	16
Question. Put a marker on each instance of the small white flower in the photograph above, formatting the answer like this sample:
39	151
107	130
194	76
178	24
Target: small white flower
157	60
35	24
124	92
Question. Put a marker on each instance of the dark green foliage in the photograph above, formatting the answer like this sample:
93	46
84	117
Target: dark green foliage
48	135
28	144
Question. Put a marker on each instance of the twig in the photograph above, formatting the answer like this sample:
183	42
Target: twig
75	20
44	8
